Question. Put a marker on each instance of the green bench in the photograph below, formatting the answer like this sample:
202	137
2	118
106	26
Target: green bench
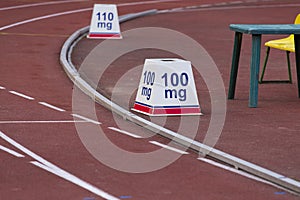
257	30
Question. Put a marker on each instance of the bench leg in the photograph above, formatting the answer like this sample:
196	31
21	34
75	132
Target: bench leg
235	63
254	70
297	55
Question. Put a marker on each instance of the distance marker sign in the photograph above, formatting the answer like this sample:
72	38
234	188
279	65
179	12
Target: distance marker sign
167	87
105	22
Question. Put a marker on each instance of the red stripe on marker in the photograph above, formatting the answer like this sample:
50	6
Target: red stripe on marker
143	108
166	111
93	35
176	111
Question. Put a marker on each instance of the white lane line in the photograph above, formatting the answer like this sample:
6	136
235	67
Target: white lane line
234	8
46	165
2	88
242	173
75	180
235	2
74	1
221	4
42	122
39	4
124	132
43	17
86	119
21	95
12	152
234	170
52	107
205	5
168	147
144	2
73	12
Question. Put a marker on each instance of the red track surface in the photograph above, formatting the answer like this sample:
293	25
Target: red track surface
29	64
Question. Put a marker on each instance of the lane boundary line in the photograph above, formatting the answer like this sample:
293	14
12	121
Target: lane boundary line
48	166
86	119
21	95
39	4
11	152
212	8
43	122
51	106
73	12
168	147
65	59
125	132
43	17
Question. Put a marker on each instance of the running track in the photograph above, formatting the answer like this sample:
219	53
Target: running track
36	112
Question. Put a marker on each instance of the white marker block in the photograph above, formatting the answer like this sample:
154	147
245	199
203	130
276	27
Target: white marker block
167	87
105	22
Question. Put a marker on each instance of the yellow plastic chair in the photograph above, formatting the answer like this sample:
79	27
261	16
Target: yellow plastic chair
284	44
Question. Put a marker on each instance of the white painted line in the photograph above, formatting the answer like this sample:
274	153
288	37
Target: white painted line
2	88
75	180
205	5
52	107
221	4
73	12
234	170
39	4
21	95
43	17
235	2
238	7
12	152
144	2
176	9
124	132
250	176
86	119
191	7
46	165
168	147
42	122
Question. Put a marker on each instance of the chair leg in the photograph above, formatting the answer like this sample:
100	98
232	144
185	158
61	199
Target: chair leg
261	81
289	66
265	65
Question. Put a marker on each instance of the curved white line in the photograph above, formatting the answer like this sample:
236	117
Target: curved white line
145	2
212	8
43	122
39	4
46	165
12	152
43	17
75	11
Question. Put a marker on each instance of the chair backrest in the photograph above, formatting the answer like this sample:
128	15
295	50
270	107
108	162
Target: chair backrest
297	20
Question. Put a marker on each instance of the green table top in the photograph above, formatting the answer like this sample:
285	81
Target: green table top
266	28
